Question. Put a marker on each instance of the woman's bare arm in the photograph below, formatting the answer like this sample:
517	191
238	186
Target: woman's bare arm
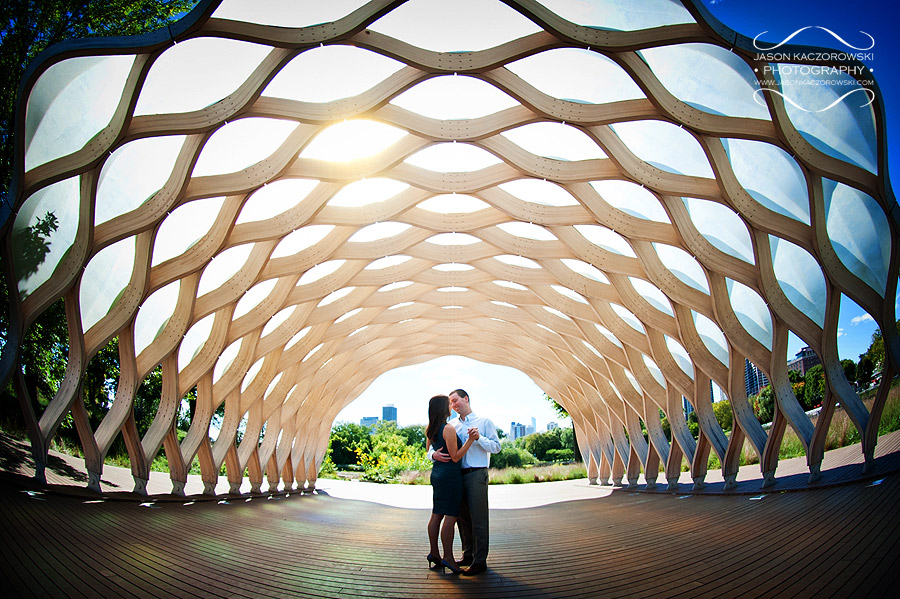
450	440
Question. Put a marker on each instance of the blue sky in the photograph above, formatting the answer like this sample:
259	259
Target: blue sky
505	394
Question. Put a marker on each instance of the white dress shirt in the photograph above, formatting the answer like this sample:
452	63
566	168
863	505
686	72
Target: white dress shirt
479	454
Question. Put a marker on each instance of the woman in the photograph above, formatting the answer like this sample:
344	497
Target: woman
446	480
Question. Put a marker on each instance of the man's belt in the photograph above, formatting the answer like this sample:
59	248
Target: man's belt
467	470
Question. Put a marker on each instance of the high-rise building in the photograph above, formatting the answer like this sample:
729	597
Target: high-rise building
754	378
516	430
369	420
389	413
805	359
551	426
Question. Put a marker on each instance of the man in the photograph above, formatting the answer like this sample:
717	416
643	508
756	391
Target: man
473	514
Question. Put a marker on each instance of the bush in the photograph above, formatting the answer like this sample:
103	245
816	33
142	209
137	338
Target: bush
390	456
559	455
511	456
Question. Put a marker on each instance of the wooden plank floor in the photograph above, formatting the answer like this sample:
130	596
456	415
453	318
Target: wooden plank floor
840	541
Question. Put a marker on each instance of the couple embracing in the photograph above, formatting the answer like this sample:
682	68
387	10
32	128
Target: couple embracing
460	482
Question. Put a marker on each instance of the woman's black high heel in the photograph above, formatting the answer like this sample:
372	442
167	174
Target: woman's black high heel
454	569
433	561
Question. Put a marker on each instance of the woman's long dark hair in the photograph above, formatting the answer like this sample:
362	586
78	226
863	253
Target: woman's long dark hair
438	412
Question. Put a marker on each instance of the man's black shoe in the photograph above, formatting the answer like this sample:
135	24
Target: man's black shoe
465	561
475	569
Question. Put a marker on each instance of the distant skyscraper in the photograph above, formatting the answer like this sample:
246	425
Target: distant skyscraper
754	378
389	413
551	426
369	420
516	430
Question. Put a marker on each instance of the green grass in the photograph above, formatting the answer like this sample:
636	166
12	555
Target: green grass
510	476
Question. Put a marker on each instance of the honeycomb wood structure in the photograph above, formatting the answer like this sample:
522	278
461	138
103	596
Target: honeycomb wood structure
278	204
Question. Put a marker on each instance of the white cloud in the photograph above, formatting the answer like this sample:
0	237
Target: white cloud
841	333
865	317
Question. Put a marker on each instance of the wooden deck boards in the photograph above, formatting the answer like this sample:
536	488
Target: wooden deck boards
840	541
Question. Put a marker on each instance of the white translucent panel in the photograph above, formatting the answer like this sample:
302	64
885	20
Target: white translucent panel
453	239
504	304
338	72
367	191
859	233
452	98
104	279
183	227
556	312
359	330
286	13
546	328
666	146
587	270
751	311
652	295
395	286
196	73
277	320
349	314
539	191
831	110
592	348
712	336
320	271
607	239
632	380
577	75
301	239
223	267
519	261
387	262
632	199
453	203
312	352
401	305
511	285
707	77
226	359
352	140
193	340
655	372
682	265
722	227
770	176
43	232
242	143
628	316
453	157
70	103
335	296
622	15
527	230
274	198
560	289
251	374
608	334
377	231
458	26
452	289
555	140
681	356
450	308
800	277
296	338
453	267
268	392
154	314
134	173
252	297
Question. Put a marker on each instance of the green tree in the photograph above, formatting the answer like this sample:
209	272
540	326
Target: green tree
414	435
814	387
724	416
511	456
764	404
347	440
538	444
865	369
